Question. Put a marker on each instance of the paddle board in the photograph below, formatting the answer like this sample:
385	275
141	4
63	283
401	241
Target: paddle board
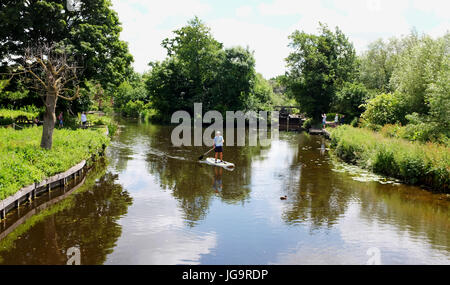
224	164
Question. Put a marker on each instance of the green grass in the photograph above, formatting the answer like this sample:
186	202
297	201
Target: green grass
8	116
23	162
412	162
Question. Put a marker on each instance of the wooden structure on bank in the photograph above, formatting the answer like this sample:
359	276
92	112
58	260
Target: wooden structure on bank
288	121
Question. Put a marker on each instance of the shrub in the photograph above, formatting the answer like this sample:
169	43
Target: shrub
307	124
350	98
133	108
412	162
385	109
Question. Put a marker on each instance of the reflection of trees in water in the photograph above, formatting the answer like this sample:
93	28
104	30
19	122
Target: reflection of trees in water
319	196
122	149
411	210
87	221
314	192
191	183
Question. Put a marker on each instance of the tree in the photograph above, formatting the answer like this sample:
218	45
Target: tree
418	68
438	98
350	98
377	65
198	69
198	54
51	72
91	31
318	67
236	81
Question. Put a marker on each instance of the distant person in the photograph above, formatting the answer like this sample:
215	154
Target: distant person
324	120
83	120
60	119
341	121
336	119
36	121
218	146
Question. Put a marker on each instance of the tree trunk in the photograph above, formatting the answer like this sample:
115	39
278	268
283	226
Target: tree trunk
49	119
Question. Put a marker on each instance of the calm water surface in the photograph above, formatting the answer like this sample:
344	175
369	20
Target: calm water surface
153	203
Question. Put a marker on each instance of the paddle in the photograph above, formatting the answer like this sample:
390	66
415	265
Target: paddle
201	156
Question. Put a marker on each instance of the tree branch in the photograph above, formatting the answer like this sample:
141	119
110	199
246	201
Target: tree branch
77	94
37	77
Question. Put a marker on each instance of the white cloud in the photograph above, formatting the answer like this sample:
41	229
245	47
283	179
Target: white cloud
147	23
142	25
269	44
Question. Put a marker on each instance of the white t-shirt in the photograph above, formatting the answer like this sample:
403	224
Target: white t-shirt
83	118
218	141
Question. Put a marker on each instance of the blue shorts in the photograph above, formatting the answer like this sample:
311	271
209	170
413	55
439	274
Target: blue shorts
218	149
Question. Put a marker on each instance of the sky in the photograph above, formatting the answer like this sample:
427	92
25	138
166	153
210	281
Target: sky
264	25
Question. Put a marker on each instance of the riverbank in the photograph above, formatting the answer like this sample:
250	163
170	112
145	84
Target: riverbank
413	163
23	162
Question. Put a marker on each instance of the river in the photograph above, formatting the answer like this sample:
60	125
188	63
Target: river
153	203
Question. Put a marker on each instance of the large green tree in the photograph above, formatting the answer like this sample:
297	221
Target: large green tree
199	69
318	66
91	32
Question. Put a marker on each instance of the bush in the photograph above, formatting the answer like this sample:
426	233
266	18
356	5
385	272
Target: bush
385	109
307	124
354	122
412	162
416	131
350	98
133	109
8	116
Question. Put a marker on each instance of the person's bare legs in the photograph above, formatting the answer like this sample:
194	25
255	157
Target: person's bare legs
215	156
221	156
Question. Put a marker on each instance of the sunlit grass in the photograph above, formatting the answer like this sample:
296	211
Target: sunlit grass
23	162
412	162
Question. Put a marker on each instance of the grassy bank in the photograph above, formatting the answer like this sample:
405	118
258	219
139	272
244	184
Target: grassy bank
412	162
23	162
8	116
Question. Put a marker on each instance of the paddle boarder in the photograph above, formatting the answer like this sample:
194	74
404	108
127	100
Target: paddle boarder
218	146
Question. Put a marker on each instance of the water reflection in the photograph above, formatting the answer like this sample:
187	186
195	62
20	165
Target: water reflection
87	220
186	212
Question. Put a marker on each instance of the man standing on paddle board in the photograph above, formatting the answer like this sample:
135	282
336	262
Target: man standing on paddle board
218	146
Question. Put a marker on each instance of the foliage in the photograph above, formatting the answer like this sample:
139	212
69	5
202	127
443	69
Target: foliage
354	123
23	162
438	98
199	69
350	98
307	124
318	67
92	31
90	34
385	109
415	163
133	108
30	112
417	68
130	91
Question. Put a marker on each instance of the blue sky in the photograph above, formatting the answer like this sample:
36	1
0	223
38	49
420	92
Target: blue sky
264	26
